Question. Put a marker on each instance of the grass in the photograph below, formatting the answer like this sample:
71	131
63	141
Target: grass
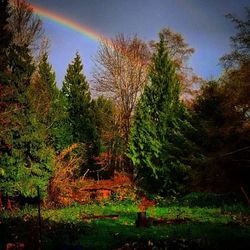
212	227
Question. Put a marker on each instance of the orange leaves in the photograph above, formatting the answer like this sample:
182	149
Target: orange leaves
65	189
62	181
66	151
145	204
103	159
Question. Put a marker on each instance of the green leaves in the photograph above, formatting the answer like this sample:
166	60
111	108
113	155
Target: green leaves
79	108
158	144
26	159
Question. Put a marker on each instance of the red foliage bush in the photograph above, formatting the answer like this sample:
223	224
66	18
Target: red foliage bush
64	189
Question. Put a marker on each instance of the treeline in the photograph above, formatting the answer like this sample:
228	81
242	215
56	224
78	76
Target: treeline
147	119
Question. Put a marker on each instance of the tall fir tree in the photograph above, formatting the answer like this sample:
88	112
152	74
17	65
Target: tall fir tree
49	105
25	160
44	85
7	105
79	106
159	147
5	35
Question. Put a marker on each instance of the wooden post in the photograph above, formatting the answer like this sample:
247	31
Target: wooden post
141	220
1	201
245	194
39	219
9	203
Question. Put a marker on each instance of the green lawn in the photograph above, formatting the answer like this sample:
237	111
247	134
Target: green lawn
226	227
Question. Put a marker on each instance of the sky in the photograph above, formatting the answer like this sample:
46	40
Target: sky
201	22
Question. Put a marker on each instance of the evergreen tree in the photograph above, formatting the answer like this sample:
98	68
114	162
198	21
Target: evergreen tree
159	147
62	134
5	35
104	121
78	100
25	159
44	85
7	106
28	161
48	104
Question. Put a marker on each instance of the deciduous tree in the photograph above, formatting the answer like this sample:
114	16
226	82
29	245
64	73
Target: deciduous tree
120	74
223	108
24	25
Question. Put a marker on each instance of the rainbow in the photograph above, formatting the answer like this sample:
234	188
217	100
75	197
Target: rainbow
83	29
80	28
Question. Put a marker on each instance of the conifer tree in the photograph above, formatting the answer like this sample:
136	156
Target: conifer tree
25	159
44	85
7	106
5	35
27	162
159	147
78	102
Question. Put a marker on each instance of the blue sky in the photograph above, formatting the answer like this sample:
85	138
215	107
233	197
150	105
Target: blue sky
201	22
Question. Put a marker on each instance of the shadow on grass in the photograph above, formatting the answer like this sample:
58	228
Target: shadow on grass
183	236
54	235
114	234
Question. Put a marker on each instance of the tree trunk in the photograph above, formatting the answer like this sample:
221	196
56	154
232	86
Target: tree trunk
9	204
1	201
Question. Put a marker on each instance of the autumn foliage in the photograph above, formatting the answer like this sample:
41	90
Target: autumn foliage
65	189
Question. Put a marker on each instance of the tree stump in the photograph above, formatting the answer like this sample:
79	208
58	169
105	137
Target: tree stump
141	220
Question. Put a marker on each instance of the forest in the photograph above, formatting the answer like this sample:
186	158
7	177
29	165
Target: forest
146	137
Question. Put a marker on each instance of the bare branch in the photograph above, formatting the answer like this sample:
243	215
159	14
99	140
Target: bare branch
120	73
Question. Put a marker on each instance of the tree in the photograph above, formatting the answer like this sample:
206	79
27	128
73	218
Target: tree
120	74
225	139
76	91
26	161
235	86
223	111
49	105
159	146
5	35
235	80
43	83
179	52
104	112
7	106
61	129
25	27
110	141
240	43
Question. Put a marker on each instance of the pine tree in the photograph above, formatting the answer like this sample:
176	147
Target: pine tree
158	145
25	160
44	85
5	35
48	104
7	105
28	160
78	100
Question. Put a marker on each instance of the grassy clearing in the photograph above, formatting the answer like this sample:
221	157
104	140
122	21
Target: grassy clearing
210	227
